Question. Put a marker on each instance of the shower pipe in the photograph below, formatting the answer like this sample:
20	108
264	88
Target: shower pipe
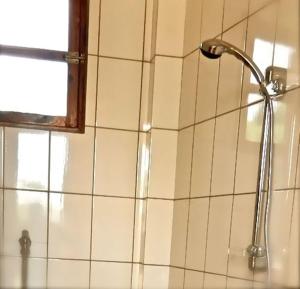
271	89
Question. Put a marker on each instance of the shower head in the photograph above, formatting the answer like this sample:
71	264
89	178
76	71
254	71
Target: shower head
214	48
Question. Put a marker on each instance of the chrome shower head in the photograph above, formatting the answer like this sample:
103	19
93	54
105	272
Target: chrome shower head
214	48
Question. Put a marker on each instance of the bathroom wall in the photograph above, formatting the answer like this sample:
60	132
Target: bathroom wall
77	195
159	191
218	146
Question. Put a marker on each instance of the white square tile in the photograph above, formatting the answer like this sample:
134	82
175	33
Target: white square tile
69	231
202	158
163	164
122	28
176	278
207	88
183	163
188	90
26	159
71	164
197	229
11	273
159	232
116	159
218	234
231	71
91	90
234	11
193	280
170	27
179	233
25	210
280	228
94	26
287	45
212	281
119	93
68	274
212	18
167	90
224	157
248	148
193	16
286	132
259	46
113	229
156	277
241	236
110	275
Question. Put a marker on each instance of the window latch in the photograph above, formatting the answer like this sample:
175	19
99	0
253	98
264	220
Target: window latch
74	58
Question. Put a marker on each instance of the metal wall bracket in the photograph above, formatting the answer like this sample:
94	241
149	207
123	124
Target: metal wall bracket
276	78
75	58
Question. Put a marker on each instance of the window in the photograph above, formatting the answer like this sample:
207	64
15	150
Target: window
43	63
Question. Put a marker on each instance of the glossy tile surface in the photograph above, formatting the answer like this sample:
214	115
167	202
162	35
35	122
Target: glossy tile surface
110	275
116	157
71	168
159	228
27	155
241	236
202	159
12	276
170	27
188	90
163	164
218	234
69	231
112	229
119	87
68	274
197	233
183	163
225	144
25	210
179	233
167	90
231	70
122	28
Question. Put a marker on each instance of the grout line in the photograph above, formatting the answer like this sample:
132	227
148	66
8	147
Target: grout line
94	149
138	146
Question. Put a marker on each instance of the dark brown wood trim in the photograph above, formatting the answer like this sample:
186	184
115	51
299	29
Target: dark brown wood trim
77	77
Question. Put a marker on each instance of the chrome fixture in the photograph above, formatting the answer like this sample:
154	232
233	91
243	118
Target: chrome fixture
25	244
271	87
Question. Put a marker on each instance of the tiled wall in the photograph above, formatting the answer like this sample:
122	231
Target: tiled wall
218	146
159	191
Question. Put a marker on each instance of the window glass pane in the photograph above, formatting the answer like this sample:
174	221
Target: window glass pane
33	86
35	23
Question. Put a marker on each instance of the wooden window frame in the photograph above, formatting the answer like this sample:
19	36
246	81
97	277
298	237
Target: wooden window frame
77	76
